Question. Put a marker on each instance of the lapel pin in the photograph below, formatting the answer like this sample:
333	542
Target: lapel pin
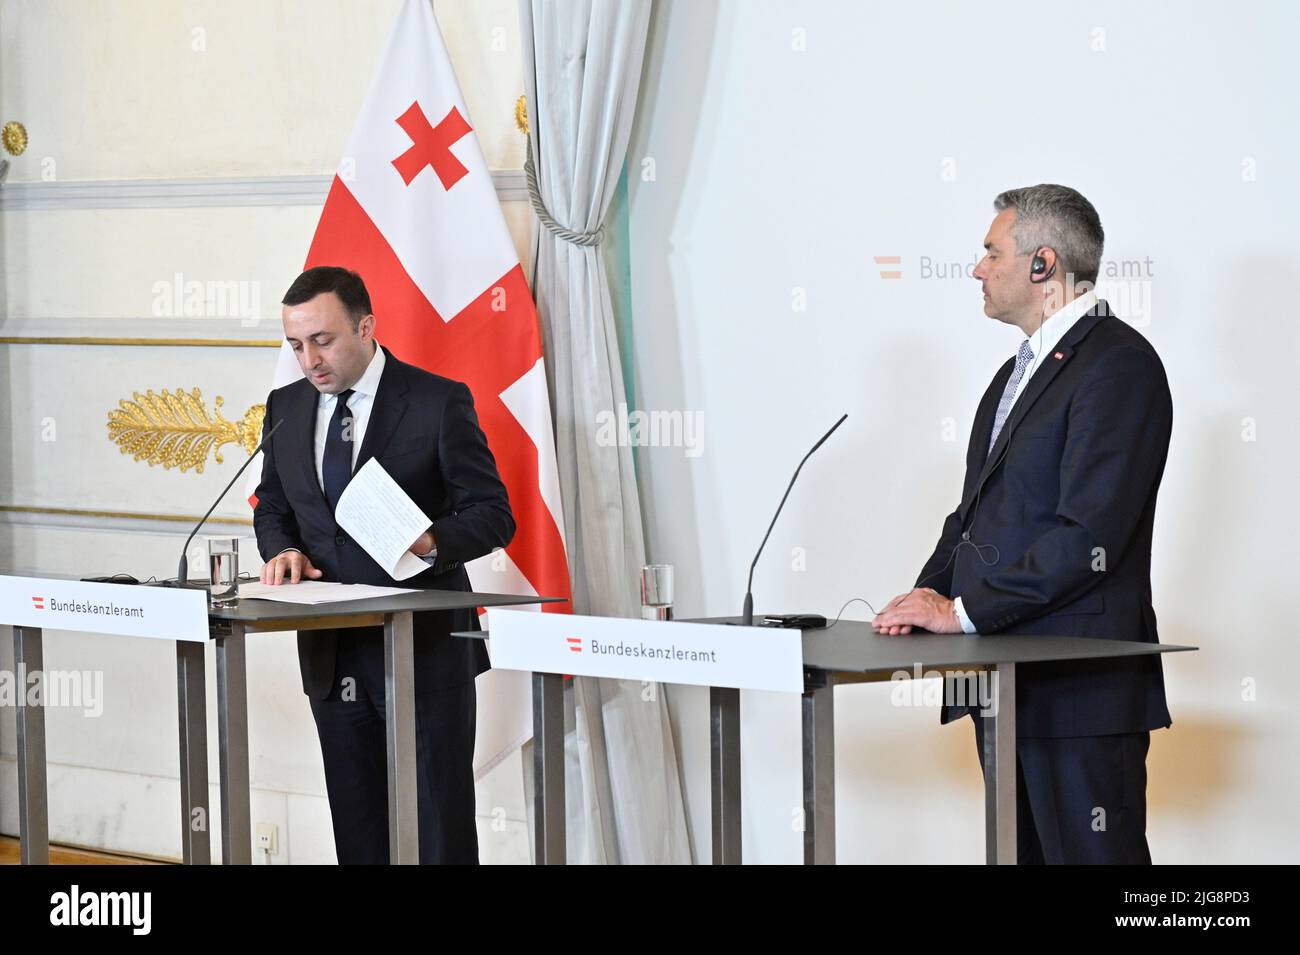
1059	356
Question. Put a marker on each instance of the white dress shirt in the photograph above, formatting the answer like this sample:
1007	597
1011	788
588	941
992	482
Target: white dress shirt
1041	343
360	404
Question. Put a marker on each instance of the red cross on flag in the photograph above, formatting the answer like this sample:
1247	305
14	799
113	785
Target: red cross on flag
431	146
414	211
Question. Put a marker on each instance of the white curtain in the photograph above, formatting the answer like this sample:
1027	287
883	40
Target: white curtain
582	68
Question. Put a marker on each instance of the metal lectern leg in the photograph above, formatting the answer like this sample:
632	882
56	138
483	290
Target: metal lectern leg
399	694
33	792
724	737
192	713
819	773
232	730
548	769
1000	769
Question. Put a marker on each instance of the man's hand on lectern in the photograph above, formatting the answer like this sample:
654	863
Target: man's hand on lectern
890	631
922	607
291	566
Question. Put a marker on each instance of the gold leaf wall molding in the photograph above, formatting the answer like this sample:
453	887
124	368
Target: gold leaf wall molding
152	342
175	430
140	331
75	512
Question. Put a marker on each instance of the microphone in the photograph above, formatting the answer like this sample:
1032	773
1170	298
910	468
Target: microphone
748	617
182	572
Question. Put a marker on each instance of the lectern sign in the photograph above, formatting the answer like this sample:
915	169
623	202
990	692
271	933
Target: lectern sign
169	613
702	654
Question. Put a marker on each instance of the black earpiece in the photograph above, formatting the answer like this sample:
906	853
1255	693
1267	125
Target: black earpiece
1038	270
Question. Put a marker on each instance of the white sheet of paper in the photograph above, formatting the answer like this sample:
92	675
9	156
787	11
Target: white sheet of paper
383	519
315	591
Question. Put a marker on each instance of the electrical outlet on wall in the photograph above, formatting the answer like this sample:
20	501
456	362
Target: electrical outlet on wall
267	839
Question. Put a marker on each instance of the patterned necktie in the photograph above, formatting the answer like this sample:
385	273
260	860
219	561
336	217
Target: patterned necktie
1023	358
336	466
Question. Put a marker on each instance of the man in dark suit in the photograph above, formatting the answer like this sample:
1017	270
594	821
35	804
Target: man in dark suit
359	402
1053	532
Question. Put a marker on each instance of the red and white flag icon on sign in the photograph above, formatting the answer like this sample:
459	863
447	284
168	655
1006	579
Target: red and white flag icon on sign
414	211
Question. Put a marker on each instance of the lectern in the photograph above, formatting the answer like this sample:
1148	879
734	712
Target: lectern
33	604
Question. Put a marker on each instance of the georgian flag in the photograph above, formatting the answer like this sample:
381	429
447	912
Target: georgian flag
413	210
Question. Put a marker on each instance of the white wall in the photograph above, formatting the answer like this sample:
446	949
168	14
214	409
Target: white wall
253	93
778	169
774	170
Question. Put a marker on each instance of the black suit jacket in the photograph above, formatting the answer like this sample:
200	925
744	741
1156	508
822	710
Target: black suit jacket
424	431
1066	499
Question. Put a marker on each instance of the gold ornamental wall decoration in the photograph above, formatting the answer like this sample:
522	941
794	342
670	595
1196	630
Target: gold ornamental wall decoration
521	114
175	430
14	137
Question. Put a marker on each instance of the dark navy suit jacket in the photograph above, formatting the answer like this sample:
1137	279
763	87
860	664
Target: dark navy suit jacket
424	431
1067	498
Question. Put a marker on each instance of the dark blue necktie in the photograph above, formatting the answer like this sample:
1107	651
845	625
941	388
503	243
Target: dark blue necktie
336	467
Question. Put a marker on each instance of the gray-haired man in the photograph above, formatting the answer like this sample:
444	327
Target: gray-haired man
1053	531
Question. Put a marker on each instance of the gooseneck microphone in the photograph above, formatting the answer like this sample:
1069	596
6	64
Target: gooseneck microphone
748	617
182	570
